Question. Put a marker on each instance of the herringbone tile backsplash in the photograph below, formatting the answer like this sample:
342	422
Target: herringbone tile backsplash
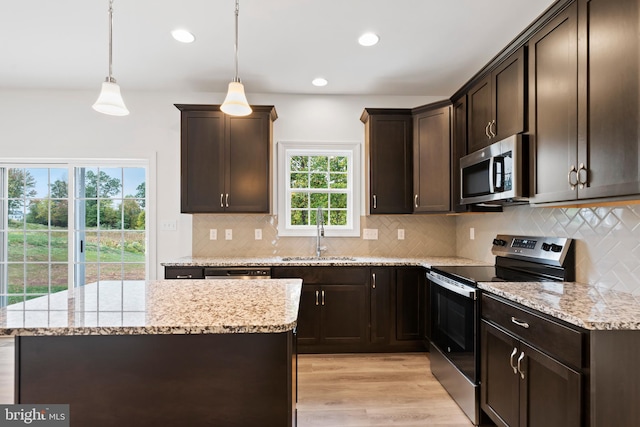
607	238
424	236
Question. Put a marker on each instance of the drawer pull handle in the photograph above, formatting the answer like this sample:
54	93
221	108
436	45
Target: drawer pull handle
520	323
317	294
513	354
519	363
188	276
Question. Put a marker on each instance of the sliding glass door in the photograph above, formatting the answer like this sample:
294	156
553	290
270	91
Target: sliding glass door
57	232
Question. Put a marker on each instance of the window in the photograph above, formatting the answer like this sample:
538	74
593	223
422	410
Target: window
63	226
313	176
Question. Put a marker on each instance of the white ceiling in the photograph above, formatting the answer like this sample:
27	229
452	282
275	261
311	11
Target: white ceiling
427	47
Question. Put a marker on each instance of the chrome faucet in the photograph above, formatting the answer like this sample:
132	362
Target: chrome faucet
319	231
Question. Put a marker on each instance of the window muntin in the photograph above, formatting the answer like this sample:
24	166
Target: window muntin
318	176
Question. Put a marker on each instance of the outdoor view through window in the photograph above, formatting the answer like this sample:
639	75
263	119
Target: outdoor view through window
70	226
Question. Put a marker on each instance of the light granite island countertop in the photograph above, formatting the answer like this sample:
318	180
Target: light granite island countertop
164	352
159	307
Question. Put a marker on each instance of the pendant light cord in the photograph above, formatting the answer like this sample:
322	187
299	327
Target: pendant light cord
237	79
110	78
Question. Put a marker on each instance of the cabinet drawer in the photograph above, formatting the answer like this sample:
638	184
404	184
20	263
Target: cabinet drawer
554	338
184	273
324	275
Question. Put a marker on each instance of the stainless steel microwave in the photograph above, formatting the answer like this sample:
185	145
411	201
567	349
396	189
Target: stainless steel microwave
497	173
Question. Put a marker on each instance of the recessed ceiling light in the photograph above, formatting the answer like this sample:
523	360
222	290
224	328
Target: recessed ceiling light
183	36
368	39
319	82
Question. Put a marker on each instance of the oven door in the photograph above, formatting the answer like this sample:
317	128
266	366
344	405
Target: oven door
454	323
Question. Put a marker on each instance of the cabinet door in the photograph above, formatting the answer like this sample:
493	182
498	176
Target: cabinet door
309	315
609	135
248	160
551	393
409	303
480	105
500	385
202	161
380	305
343	314
390	164
431	160
553	120
507	86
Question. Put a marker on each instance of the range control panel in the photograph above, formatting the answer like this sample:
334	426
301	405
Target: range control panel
548	250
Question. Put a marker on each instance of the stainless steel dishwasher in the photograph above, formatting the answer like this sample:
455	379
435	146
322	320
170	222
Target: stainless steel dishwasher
237	273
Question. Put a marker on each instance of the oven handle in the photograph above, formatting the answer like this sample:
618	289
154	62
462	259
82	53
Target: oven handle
460	289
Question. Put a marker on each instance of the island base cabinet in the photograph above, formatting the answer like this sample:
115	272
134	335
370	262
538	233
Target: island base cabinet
162	380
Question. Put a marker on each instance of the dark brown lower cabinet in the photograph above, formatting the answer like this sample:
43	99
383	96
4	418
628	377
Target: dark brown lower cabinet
359	309
522	386
410	310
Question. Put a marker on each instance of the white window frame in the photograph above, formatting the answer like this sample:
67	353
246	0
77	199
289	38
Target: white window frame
352	150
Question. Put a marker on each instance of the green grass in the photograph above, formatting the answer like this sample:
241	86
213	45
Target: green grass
37	247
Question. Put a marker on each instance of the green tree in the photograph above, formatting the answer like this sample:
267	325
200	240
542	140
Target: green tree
131	211
141	193
21	186
101	185
39	209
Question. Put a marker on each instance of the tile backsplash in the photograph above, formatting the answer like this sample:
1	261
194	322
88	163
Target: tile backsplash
607	239
424	236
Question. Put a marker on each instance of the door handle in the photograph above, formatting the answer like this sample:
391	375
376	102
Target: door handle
415	200
322	297
572	170
519	367
226	200
373	277
317	294
513	354
221	203
581	182
375	202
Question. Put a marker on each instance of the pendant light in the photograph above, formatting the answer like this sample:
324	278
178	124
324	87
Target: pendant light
110	101
236	104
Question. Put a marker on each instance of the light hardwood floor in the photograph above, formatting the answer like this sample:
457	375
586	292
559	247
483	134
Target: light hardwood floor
353	390
345	390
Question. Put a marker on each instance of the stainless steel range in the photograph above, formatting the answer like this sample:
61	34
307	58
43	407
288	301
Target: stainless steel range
455	307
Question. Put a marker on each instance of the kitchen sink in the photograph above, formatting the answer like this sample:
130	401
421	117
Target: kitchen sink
316	258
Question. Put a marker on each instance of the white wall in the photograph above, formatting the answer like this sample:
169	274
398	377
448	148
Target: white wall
61	124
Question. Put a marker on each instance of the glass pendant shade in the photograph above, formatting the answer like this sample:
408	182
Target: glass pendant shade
236	104
110	101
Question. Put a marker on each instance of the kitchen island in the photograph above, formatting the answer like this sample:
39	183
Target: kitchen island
168	353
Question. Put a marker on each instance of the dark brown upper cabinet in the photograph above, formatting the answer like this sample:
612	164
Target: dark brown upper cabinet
389	163
431	158
225	160
553	109
496	103
585	102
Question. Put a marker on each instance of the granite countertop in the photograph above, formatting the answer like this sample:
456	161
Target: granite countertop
303	261
576	303
159	307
